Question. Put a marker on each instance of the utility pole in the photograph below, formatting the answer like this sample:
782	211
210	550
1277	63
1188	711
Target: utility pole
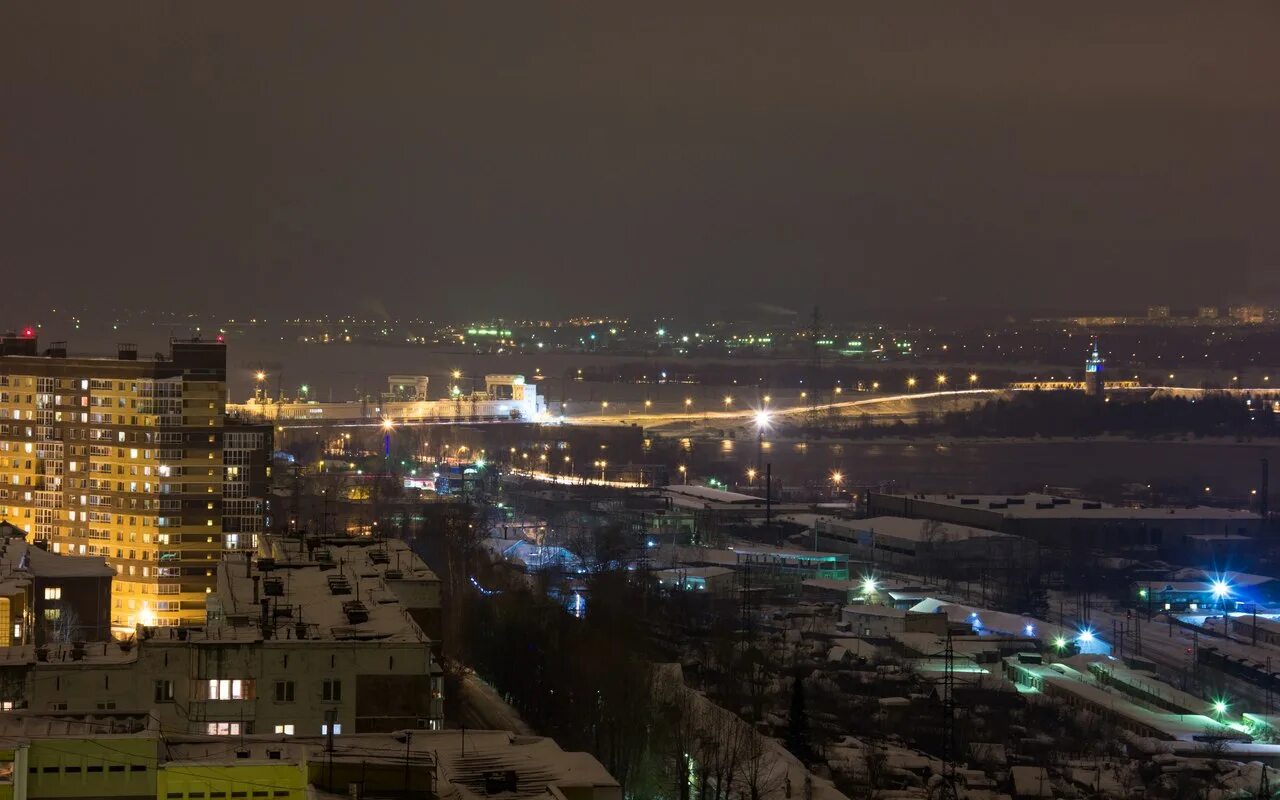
331	719
408	741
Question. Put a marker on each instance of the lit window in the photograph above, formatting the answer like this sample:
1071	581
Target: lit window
223	729
337	729
287	730
226	689
53	593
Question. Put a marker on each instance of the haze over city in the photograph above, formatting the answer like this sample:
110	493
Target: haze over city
554	160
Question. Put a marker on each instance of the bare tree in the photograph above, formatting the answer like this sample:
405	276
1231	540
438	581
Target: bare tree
761	771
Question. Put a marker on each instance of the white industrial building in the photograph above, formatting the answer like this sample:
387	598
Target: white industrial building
913	544
1065	522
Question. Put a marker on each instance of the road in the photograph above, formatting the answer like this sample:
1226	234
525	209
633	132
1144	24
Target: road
481	708
893	405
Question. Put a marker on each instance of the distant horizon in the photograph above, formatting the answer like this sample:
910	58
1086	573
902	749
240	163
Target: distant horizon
15	320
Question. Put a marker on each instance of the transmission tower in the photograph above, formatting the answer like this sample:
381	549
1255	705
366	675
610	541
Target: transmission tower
948	789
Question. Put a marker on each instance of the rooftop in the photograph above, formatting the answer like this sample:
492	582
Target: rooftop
1052	506
20	561
915	530
330	590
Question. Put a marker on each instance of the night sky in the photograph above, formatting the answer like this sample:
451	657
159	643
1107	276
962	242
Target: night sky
525	159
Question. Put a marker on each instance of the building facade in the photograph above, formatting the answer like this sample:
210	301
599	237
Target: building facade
122	458
296	640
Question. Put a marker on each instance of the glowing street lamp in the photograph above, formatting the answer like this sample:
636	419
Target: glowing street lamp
688	401
869	586
911	383
603	405
648	404
1060	642
837	478
751	475
684	473
728	401
260	376
1220	706
1085	636
767	398
942	381
456	374
973	379
762	422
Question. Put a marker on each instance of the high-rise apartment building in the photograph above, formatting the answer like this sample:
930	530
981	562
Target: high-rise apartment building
132	460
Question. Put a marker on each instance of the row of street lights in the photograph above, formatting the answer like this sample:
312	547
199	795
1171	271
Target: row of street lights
941	380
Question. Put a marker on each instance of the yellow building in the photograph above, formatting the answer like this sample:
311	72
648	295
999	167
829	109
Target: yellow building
253	768
121	458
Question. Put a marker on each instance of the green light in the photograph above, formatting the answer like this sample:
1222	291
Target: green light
1142	593
1219	706
1060	642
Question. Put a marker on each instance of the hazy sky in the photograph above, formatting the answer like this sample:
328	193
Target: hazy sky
538	158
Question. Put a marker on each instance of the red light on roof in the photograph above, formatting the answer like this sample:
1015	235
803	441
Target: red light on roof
221	338
28	332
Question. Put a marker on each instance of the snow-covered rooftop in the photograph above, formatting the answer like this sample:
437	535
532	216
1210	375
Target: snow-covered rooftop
1053	506
915	530
344	590
20	560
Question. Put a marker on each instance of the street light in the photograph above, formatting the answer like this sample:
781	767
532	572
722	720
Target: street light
684	473
911	383
728	401
942	381
456	374
751	475
648	404
837	478
973	379
688	401
603	405
762	422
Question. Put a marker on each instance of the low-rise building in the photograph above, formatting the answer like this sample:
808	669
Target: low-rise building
887	622
1075	689
921	545
715	581
1064	522
51	598
43	757
304	636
